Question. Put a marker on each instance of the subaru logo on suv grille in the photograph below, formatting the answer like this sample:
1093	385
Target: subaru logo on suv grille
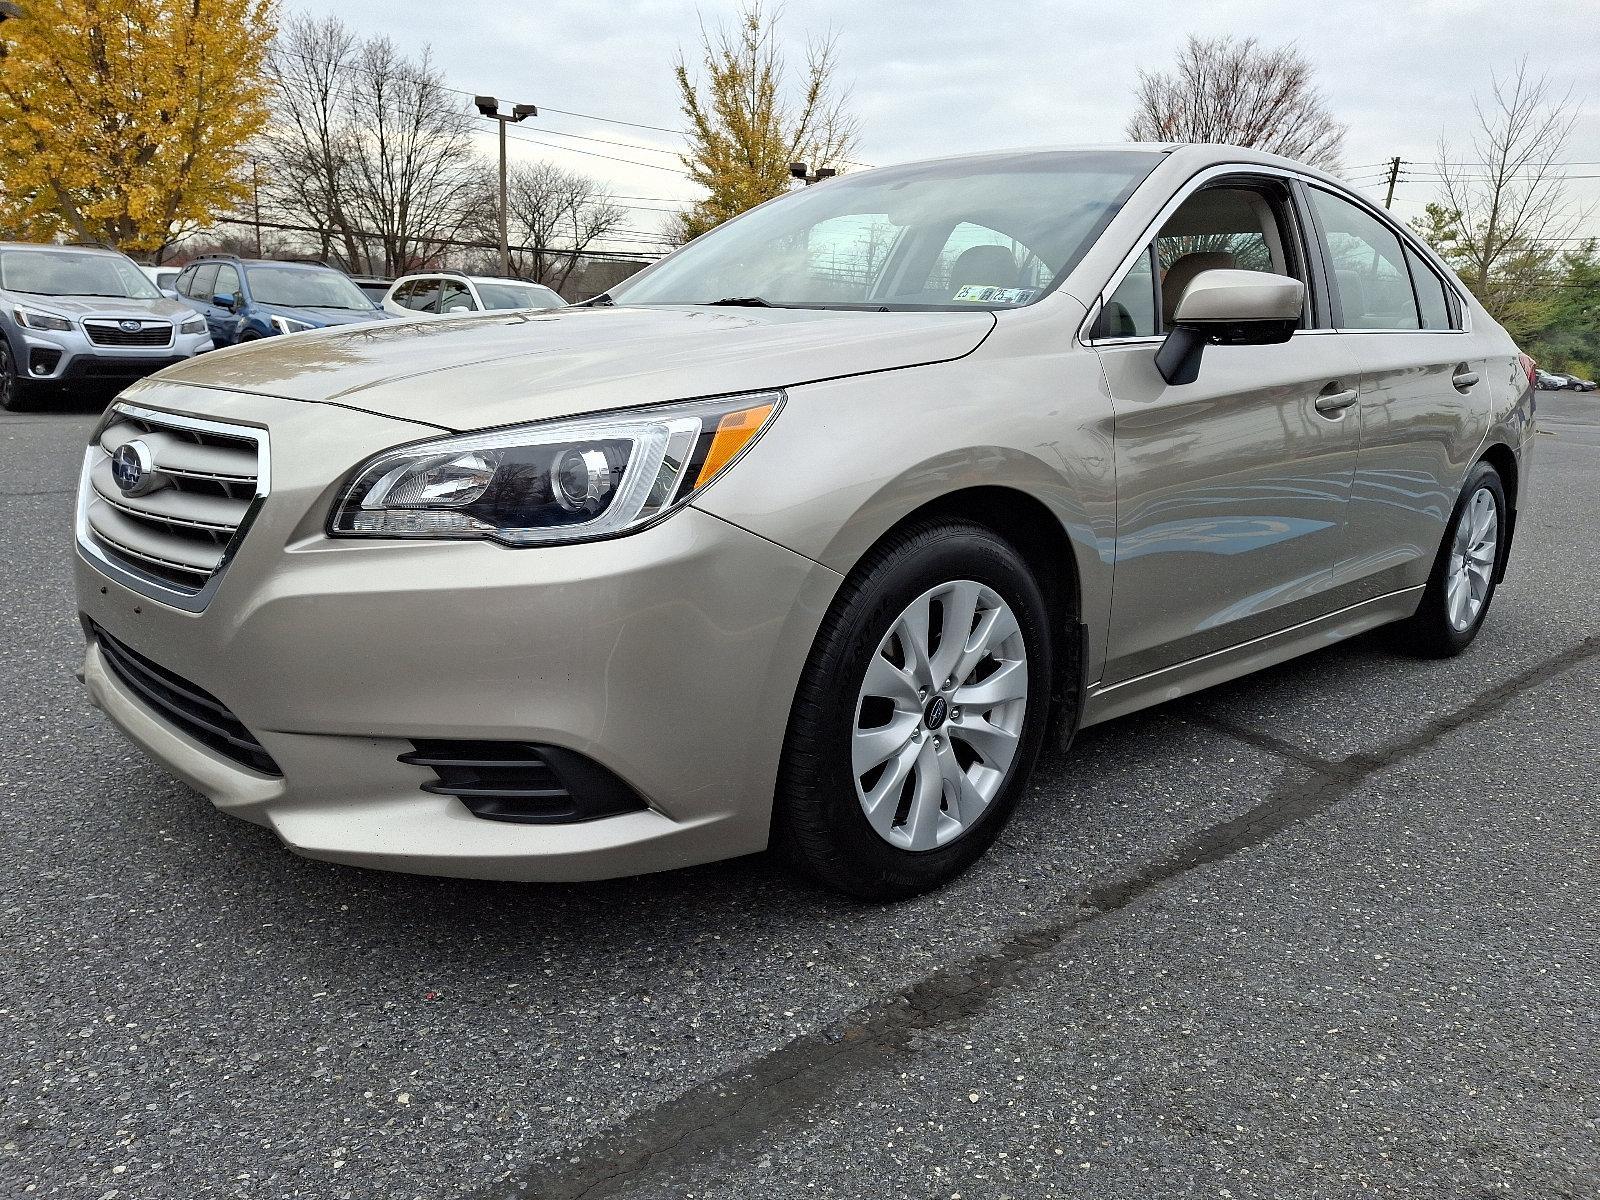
130	326
133	469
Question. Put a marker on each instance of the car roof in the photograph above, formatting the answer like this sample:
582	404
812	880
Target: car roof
54	247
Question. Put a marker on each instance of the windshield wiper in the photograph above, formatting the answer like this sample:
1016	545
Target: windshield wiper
741	302
603	300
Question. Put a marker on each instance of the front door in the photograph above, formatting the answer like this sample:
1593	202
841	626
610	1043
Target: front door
1233	490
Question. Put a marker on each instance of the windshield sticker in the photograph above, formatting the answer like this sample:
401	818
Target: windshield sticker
977	293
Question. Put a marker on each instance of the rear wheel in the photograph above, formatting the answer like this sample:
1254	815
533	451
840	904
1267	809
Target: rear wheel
16	394
1464	572
919	716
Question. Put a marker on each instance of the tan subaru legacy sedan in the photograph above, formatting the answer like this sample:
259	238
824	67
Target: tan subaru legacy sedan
811	534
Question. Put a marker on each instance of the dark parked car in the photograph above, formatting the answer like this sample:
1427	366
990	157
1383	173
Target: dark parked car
374	287
244	299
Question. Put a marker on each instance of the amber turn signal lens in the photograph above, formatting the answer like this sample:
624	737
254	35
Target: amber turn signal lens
734	432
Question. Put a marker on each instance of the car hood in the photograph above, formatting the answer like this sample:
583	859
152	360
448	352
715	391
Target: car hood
103	306
503	368
327	316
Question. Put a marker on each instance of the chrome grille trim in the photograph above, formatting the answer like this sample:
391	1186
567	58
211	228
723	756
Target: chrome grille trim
176	557
108	331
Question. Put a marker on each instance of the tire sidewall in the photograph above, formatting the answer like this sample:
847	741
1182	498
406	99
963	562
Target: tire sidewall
1436	607
869	865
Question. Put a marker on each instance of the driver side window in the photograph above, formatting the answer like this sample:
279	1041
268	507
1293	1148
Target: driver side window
1225	227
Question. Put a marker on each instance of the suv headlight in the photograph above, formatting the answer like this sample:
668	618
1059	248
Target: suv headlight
289	324
39	320
556	481
194	325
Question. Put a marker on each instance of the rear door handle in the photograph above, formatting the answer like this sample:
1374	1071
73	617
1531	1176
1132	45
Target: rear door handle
1332	403
1464	379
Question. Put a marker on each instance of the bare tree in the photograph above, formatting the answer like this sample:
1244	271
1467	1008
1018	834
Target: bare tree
368	147
1237	92
414	178
556	214
307	151
1503	210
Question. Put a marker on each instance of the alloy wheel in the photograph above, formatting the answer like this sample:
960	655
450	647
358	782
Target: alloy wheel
939	716
1472	559
8	378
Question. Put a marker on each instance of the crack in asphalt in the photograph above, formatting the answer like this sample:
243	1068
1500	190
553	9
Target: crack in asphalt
748	1105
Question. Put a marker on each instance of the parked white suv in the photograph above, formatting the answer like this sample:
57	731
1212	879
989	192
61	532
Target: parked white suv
443	293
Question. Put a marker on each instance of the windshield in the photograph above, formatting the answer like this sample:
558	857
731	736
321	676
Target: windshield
68	273
994	232
305	287
517	295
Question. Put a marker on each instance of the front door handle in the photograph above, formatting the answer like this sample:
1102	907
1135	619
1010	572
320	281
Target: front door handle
1332	403
1464	379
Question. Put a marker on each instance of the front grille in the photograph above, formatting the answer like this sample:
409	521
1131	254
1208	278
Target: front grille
522	782
111	333
194	711
179	534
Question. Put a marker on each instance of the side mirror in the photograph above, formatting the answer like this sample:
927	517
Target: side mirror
225	300
455	308
1228	308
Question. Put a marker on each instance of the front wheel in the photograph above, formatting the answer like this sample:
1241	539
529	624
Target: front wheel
1462	585
15	393
919	715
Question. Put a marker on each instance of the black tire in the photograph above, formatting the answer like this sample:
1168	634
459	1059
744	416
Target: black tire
818	821
16	393
1431	633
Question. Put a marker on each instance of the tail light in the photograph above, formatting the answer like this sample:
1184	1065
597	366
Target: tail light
1529	367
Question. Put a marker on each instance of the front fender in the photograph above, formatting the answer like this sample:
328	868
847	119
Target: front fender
848	459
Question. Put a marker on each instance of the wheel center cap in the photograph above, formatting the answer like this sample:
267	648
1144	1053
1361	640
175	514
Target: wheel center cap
938	709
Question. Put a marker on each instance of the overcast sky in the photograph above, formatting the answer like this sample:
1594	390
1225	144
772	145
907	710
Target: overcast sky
933	78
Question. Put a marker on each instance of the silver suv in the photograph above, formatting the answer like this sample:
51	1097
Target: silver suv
79	314
812	533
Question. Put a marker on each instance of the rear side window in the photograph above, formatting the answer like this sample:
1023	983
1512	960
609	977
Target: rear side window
420	294
1370	277
203	285
185	284
1432	306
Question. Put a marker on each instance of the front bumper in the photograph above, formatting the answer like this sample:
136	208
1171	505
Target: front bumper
50	357
670	657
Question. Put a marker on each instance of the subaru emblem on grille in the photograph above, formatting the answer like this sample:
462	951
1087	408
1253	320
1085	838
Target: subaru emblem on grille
133	469
130	326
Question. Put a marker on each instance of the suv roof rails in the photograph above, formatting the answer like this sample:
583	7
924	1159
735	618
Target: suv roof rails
90	245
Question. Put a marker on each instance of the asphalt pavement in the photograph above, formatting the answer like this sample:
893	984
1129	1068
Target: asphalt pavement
1328	931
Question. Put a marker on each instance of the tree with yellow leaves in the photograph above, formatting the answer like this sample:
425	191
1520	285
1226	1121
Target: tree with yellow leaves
745	124
125	121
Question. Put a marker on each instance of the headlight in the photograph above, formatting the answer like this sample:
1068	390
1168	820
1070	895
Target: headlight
557	481
289	325
39	320
197	325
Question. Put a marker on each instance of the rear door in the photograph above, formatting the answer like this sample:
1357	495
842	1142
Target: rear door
1232	491
1423	403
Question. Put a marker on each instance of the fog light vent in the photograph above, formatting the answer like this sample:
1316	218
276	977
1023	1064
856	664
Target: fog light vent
42	361
522	781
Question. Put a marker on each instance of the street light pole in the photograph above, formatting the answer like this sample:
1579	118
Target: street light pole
808	177
490	107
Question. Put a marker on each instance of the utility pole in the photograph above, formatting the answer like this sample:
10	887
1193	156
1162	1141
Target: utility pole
255	190
808	177
1394	175
490	107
